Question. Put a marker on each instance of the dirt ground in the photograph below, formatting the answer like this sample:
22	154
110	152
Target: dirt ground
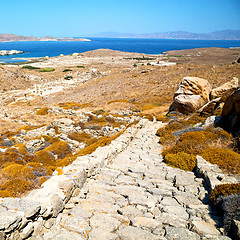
113	81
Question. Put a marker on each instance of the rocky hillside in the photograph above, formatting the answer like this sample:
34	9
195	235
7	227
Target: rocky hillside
76	129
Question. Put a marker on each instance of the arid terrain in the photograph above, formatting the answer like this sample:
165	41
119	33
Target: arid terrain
86	139
134	81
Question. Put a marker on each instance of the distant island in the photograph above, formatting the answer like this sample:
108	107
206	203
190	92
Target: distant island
14	38
218	35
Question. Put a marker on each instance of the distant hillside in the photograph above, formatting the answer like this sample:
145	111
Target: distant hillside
13	38
219	35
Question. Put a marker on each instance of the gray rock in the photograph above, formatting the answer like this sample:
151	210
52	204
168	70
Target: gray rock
28	207
146	223
185	130
80	212
133	233
105	222
61	234
49	223
212	121
174	233
201	227
101	234
27	231
171	220
187	103
75	224
57	205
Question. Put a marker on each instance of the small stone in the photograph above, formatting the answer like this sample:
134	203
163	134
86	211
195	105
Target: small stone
49	223
101	234
105	222
57	205
27	231
133	233
201	227
174	233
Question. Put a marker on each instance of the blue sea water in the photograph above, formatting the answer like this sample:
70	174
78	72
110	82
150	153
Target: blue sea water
148	46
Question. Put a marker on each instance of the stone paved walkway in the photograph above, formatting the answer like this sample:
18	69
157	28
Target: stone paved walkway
137	196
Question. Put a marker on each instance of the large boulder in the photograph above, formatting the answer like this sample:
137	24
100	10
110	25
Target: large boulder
225	90
192	94
231	113
187	103
194	86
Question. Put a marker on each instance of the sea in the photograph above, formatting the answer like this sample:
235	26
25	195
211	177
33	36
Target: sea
148	46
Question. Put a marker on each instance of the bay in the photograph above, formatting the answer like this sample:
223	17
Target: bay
148	46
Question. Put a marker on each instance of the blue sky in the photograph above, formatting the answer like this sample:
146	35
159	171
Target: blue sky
82	17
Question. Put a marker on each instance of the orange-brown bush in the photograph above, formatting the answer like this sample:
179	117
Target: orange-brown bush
194	119
226	159
16	170
44	157
21	148
60	148
181	160
162	118
70	105
14	188
202	137
224	190
42	111
80	137
191	147
169	129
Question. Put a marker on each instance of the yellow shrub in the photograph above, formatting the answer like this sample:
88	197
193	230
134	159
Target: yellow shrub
60	148
80	137
162	118
56	128
5	193
167	139
7	164
65	161
226	159
148	106
49	139
223	134
42	111
191	147
70	105
42	180
15	187
17	170
224	190
181	160
11	155
9	134
194	119
169	129
21	148
44	157
29	158
118	100
50	170
202	137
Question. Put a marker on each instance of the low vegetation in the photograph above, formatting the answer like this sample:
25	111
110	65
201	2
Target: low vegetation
47	70
224	190
30	67
214	145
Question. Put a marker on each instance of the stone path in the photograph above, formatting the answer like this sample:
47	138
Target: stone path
137	196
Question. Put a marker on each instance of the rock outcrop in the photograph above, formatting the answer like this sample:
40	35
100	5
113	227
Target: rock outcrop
224	90
231	113
192	93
